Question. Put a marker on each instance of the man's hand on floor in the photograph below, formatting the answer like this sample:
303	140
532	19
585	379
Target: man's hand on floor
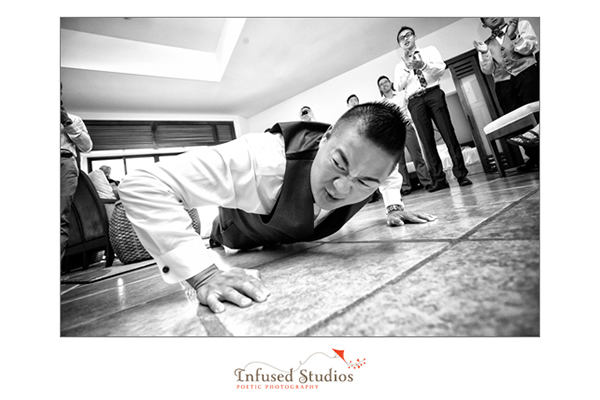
397	218
238	286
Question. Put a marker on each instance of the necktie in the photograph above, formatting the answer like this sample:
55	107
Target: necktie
419	74
422	79
498	32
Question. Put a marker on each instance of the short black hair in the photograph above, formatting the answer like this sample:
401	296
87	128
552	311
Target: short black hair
351	96
384	77
403	29
380	122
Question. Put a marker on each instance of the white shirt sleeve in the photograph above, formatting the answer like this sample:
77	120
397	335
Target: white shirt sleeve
390	189
401	76
526	42
246	173
78	134
434	65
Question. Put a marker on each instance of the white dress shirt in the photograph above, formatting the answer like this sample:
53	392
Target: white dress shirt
246	174
406	79
75	136
401	100
524	44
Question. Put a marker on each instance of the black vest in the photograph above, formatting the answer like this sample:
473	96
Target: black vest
292	217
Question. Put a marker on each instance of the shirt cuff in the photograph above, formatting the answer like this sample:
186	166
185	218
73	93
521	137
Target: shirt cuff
185	261
391	196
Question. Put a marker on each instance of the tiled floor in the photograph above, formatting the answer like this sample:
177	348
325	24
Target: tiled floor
473	272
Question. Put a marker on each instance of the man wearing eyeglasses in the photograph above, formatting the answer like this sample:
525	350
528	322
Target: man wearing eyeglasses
419	72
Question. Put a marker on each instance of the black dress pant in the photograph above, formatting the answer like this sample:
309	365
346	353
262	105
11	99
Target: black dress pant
432	107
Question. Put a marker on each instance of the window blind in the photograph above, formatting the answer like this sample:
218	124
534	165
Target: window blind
123	135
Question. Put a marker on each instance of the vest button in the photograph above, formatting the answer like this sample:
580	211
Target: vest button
165	269
502	48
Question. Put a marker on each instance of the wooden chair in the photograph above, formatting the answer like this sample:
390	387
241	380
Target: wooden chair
512	124
88	228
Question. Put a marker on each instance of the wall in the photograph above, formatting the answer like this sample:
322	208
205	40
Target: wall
328	100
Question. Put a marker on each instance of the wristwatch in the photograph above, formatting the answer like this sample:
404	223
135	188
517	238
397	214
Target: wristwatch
394	207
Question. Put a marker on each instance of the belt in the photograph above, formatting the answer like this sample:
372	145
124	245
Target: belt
423	92
65	154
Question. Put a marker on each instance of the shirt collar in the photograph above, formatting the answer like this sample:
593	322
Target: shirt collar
501	29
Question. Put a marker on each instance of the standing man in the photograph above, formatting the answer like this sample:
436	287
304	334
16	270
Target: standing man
412	142
352	100
509	56
306	114
73	136
419	72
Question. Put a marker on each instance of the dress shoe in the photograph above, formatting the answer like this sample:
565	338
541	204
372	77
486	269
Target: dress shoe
464	181
528	167
439	185
405	192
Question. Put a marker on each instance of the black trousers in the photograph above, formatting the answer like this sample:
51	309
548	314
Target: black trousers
518	91
68	185
432	107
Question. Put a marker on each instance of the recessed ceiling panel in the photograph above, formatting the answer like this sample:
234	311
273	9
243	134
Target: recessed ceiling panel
187	33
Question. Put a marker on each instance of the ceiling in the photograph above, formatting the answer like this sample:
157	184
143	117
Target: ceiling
214	65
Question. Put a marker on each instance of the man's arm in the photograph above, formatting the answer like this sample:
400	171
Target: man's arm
392	200
434	65
401	76
155	199
77	132
525	41
486	60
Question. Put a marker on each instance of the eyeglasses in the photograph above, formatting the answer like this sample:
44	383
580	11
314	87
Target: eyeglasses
304	112
405	36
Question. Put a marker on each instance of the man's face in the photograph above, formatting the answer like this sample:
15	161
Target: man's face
493	22
353	101
306	114
406	40
347	169
385	85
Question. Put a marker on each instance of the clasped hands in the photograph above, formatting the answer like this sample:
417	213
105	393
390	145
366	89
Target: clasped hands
415	63
511	31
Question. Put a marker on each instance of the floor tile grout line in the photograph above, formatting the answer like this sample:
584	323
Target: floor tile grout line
393	281
413	269
393	241
111	313
106	290
211	323
403	275
494	216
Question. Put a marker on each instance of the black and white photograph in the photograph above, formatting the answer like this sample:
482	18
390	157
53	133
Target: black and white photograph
300	176
288	200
